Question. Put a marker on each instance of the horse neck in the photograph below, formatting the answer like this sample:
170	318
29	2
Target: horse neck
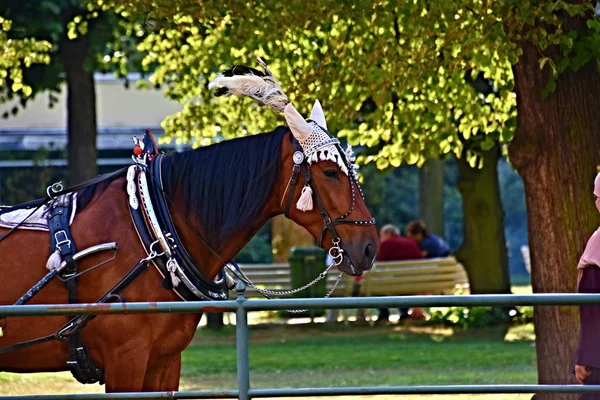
189	227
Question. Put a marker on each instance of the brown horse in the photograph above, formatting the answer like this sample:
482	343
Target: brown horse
225	192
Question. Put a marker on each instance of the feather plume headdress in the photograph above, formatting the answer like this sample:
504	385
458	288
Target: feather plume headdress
261	86
316	142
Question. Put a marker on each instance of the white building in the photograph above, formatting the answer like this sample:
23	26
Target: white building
121	112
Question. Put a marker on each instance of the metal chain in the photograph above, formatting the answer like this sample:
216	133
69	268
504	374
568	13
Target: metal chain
337	282
322	275
292	291
336	262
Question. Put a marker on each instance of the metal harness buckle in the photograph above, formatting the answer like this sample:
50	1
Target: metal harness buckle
60	242
64	333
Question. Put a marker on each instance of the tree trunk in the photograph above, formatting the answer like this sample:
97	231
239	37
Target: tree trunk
287	234
431	195
483	251
81	110
555	150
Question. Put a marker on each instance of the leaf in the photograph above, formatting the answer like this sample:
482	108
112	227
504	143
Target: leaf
487	144
27	91
382	163
593	24
549	88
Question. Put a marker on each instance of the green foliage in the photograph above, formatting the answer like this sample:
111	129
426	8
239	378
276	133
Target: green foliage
258	249
18	185
468	317
387	81
393	197
17	55
31	60
391	75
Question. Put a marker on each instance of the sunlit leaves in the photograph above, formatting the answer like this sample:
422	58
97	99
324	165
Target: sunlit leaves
15	55
392	76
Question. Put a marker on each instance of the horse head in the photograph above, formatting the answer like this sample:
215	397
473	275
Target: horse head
320	192
323	194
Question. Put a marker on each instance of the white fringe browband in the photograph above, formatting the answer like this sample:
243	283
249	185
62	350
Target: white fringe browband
320	146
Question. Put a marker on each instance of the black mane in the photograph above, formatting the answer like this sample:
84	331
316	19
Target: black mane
226	184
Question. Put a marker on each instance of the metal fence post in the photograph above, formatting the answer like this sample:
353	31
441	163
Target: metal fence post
241	333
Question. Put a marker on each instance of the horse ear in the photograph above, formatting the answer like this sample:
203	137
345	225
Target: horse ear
317	114
298	125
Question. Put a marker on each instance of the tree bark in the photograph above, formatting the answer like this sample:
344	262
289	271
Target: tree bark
287	234
555	150
431	195
483	251
81	110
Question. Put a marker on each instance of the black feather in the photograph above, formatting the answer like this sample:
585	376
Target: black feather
242	70
222	91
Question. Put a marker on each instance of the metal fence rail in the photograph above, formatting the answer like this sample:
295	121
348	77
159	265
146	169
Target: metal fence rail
242	306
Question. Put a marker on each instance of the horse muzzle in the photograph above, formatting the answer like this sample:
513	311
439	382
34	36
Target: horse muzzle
357	259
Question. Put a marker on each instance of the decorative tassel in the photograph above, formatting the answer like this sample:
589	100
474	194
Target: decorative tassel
305	202
175	280
53	261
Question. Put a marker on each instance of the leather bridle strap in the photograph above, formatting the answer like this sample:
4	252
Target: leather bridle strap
294	178
291	190
328	223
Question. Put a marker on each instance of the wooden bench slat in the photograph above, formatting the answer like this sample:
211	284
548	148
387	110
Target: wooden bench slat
414	280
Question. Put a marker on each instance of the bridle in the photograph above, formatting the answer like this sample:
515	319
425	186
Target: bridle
301	164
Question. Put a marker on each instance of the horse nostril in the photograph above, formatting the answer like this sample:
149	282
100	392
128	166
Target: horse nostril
369	251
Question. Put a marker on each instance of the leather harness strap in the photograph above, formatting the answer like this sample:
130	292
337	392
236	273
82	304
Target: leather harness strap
80	362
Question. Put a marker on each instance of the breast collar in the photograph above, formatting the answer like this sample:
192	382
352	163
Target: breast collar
301	164
154	225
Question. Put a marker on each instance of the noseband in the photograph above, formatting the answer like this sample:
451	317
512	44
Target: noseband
301	164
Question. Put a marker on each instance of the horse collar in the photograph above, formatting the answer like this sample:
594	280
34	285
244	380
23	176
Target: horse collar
153	222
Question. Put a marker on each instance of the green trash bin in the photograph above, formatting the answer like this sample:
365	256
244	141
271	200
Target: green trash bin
306	263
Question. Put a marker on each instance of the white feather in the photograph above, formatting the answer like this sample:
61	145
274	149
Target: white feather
265	89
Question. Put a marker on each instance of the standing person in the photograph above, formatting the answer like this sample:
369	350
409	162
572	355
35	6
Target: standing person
431	245
393	247
587	357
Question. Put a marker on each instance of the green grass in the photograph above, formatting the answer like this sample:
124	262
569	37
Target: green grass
367	356
340	355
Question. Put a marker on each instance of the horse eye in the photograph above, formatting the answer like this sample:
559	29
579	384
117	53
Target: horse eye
331	173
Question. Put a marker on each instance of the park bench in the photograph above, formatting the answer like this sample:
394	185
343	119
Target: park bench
391	278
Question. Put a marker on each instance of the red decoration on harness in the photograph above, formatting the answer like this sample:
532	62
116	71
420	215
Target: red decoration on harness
137	150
